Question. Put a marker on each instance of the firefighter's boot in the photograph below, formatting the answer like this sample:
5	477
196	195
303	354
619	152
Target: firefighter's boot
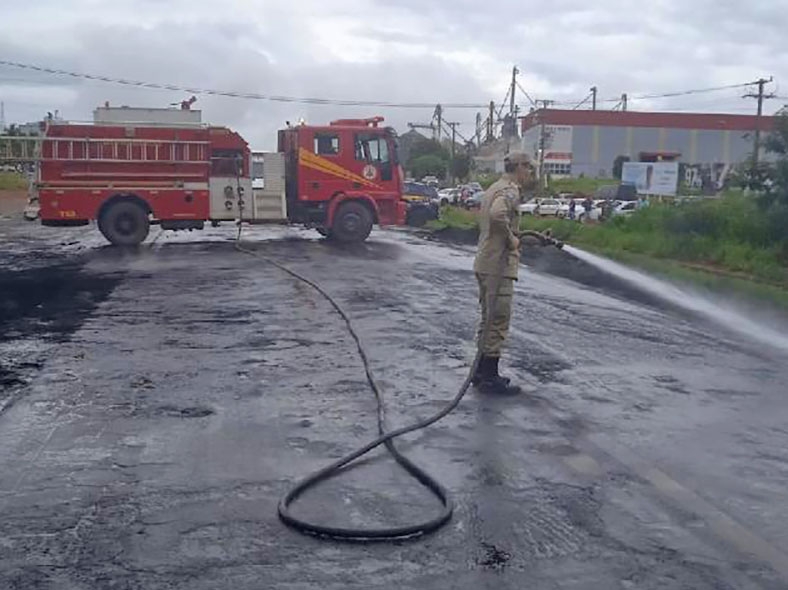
488	366
493	383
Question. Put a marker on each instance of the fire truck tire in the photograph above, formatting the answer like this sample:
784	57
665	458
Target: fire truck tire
124	223
352	222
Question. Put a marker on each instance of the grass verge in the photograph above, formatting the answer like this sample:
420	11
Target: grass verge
725	246
12	181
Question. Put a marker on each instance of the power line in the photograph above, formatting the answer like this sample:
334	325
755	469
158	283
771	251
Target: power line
528	96
673	94
452	127
689	92
503	103
343	102
582	102
235	94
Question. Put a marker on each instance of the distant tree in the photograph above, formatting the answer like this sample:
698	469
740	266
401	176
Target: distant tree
462	166
427	165
770	178
428	147
618	166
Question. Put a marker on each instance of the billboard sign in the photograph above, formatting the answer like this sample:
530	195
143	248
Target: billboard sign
652	178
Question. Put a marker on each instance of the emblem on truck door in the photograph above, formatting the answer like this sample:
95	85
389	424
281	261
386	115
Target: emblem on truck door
369	172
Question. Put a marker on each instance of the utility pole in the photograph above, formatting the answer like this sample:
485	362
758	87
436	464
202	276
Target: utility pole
624	102
515	71
478	129
429	126
593	99
453	139
439	116
543	139
762	82
491	123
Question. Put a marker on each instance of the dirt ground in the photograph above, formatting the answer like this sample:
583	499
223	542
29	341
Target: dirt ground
12	203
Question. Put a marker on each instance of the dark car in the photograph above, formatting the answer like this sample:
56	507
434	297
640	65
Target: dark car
416	191
421	203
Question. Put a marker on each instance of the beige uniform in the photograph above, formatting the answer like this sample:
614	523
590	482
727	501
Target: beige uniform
497	261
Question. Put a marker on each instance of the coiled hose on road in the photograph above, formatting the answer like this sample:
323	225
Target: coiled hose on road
385	438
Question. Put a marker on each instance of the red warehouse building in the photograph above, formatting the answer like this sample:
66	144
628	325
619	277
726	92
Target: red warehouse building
588	142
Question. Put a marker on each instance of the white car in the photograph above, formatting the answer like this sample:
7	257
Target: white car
625	209
563	209
446	196
529	207
548	207
593	215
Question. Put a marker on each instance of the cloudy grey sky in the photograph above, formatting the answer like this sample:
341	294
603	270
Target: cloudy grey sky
394	50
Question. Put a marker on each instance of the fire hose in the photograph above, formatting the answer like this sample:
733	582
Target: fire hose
385	437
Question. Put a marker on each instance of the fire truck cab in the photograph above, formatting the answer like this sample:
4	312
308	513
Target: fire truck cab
343	177
133	168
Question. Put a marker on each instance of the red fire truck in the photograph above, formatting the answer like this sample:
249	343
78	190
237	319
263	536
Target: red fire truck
128	175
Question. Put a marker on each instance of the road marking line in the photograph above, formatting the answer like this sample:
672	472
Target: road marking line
721	524
584	464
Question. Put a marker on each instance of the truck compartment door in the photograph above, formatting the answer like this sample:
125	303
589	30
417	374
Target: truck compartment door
268	186
224	183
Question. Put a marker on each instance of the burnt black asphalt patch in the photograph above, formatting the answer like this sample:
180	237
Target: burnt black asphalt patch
50	302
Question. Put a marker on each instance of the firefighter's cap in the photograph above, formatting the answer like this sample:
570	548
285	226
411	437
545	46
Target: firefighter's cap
517	158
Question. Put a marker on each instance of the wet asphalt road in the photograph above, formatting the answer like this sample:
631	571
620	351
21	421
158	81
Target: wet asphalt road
155	405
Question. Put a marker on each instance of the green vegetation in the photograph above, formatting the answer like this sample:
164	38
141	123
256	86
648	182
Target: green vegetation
12	181
487	179
731	234
730	242
452	217
578	185
430	158
427	165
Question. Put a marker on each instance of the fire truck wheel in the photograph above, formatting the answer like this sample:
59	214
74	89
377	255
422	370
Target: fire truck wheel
124	223
352	222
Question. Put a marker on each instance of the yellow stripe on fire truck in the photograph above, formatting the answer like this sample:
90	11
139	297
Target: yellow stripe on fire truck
320	164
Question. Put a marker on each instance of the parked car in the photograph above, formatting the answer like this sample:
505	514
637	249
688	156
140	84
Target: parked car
447	196
416	191
421	201
475	186
594	215
563	209
548	207
418	214
529	207
625	209
474	201
430	181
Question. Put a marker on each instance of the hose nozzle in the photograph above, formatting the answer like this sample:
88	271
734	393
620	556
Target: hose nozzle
546	237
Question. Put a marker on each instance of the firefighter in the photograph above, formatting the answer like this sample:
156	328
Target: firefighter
496	265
